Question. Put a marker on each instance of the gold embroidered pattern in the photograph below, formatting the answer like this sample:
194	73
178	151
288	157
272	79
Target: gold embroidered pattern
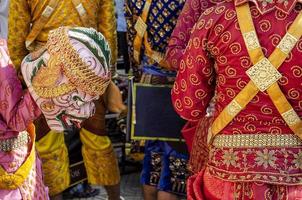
81	10
11	144
74	68
147	5
45	81
47	11
263	74
287	43
256	140
136	55
52	92
234	108
291	117
251	40
12	181
238	164
140	27
157	57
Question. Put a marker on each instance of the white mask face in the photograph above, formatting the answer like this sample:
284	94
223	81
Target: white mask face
66	110
67	76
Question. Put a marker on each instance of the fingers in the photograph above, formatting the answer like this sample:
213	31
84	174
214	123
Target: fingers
4	56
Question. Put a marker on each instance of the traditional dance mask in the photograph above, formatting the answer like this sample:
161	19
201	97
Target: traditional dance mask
67	75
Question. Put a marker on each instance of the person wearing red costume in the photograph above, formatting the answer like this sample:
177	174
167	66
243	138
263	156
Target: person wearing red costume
246	54
181	34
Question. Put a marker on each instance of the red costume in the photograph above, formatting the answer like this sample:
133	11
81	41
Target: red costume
216	61
177	44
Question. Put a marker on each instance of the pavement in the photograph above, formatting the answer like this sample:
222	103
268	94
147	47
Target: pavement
130	188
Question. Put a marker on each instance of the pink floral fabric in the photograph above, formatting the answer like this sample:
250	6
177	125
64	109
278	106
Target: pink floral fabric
17	111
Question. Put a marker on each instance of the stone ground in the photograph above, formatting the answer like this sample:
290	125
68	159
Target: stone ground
130	188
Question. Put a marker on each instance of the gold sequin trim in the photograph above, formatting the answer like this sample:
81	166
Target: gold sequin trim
233	108
140	27
256	140
14	143
81	10
263	74
52	92
291	117
251	40
47	11
136	55
157	57
74	68
287	43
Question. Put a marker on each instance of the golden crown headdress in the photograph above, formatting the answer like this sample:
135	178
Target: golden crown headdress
65	59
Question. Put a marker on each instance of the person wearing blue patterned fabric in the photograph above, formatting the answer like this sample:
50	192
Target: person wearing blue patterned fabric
150	24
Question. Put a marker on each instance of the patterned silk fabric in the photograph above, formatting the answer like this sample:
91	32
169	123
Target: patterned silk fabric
215	62
268	5
17	111
24	12
181	33
161	20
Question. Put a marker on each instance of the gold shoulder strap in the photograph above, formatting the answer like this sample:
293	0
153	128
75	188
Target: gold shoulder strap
141	34
263	74
40	23
87	22
140	27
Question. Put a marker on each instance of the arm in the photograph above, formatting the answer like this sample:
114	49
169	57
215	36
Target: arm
107	26
181	33
17	109
194	84
131	17
18	28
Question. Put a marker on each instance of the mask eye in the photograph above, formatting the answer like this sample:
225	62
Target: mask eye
78	101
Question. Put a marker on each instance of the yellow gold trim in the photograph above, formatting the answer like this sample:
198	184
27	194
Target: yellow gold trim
287	43
81	10
136	55
74	68
263	74
147	6
12	181
140	27
47	11
251	40
52	92
138	40
256	140
234	108
40	23
157	57
291	117
250	90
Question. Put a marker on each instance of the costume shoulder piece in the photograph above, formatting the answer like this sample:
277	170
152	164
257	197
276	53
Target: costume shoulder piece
158	18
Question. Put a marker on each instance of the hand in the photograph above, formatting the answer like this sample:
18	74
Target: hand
4	55
113	99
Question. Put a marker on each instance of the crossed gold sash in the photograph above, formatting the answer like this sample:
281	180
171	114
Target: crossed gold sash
263	74
142	35
12	181
47	13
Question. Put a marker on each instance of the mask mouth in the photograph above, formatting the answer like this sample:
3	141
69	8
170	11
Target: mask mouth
69	121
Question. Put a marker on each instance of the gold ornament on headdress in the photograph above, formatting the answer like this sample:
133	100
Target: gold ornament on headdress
64	57
45	81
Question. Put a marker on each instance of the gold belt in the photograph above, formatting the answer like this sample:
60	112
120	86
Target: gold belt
12	181
14	143
256	140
